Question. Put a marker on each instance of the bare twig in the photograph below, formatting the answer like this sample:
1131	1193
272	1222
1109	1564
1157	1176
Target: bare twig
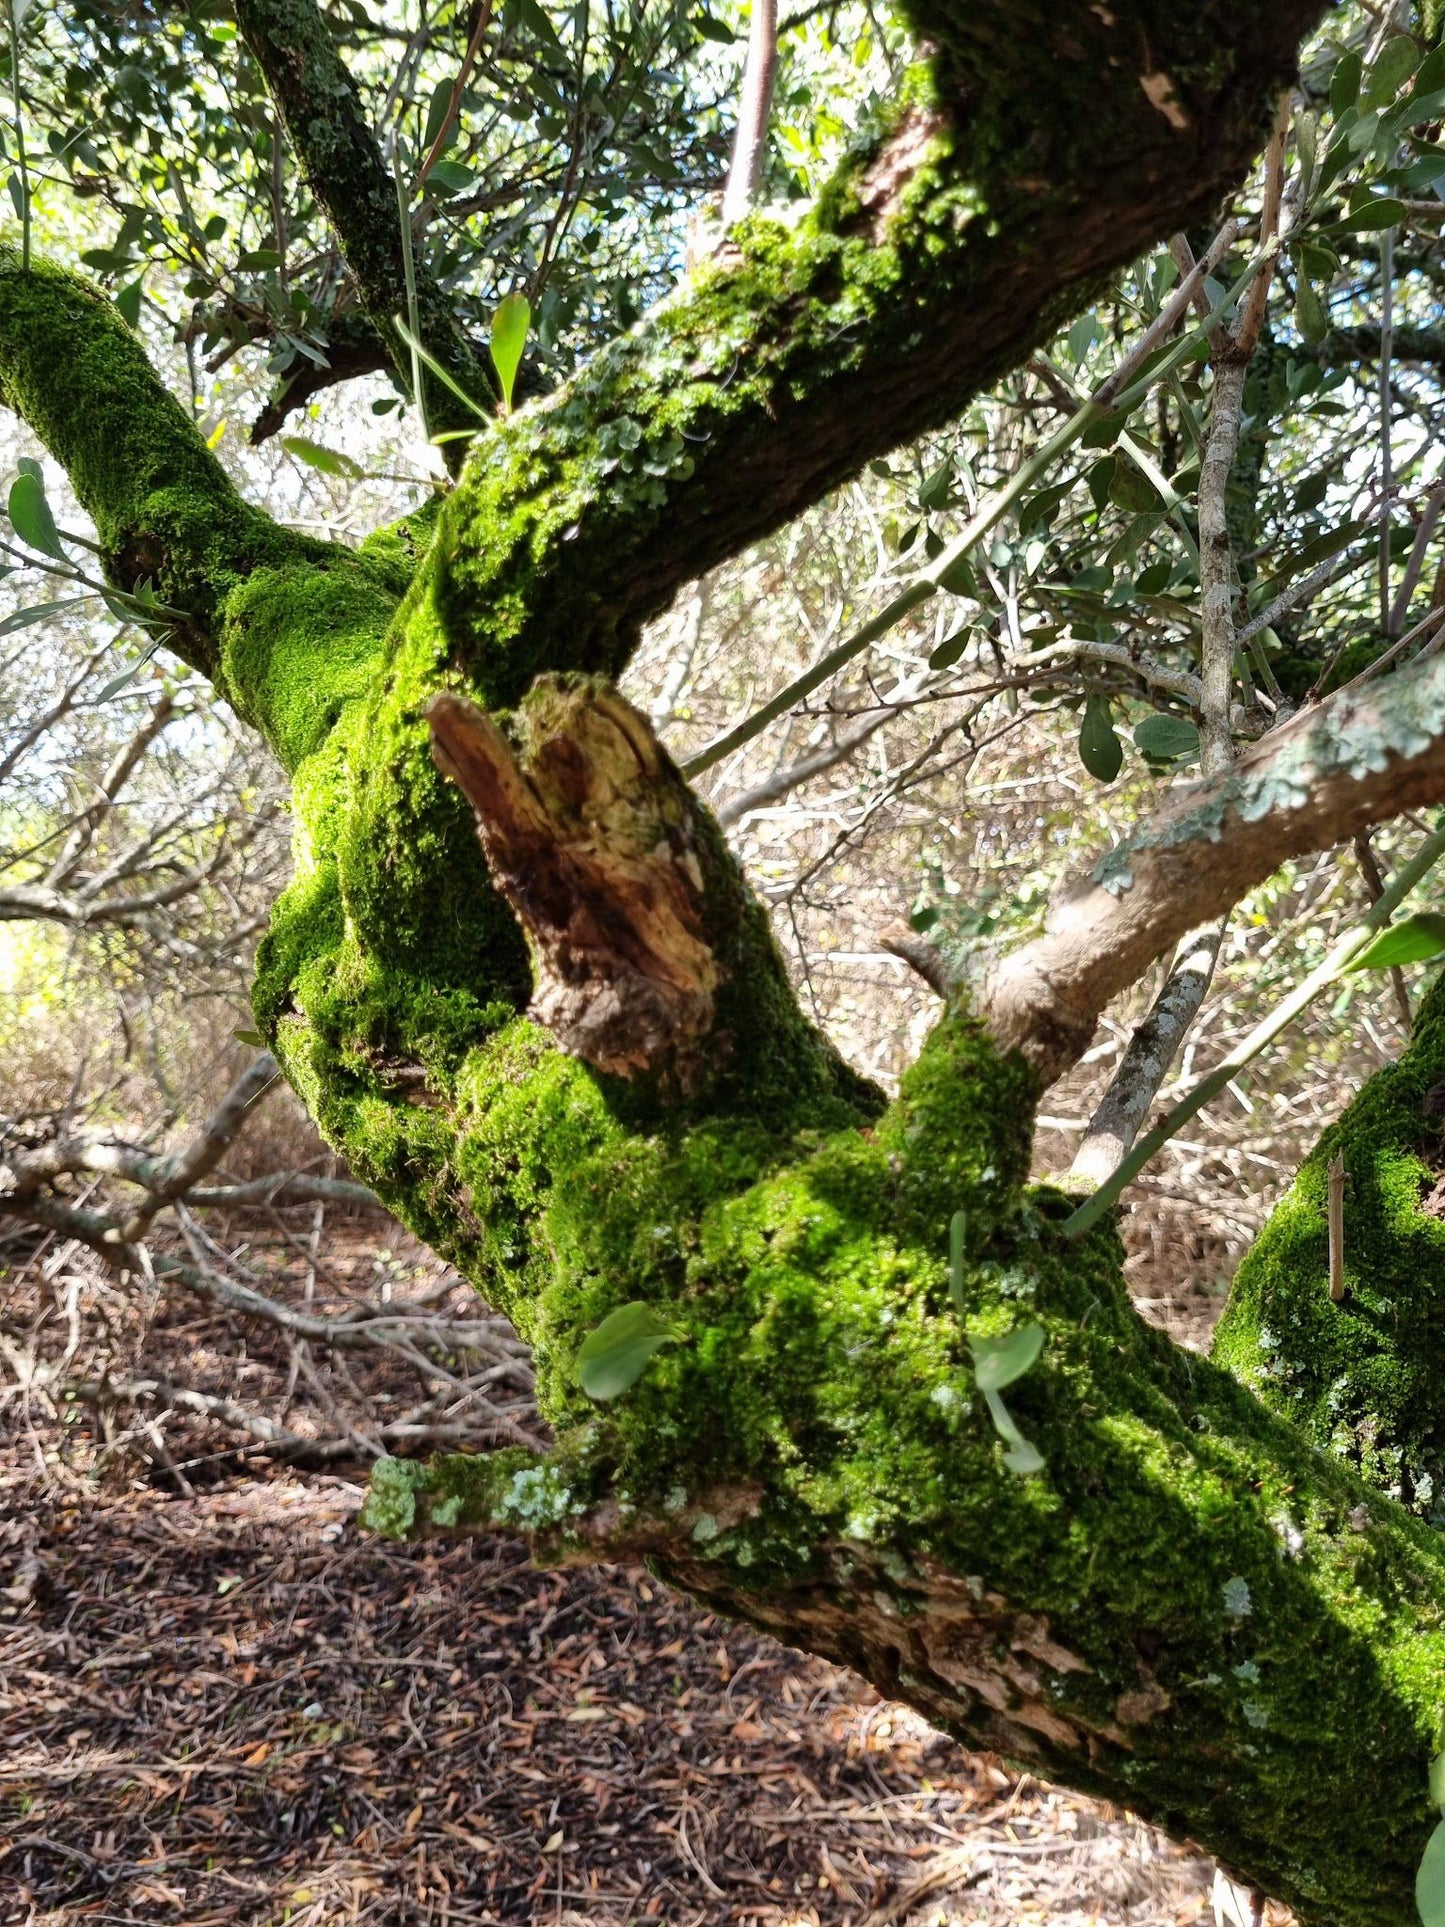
754	106
1152	1049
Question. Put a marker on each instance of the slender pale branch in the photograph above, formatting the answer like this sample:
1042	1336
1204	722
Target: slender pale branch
754	106
1152	1049
1332	771
1263	1034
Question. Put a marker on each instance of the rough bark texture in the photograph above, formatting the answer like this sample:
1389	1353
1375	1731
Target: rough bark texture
598	846
293	47
1320	779
1190	1610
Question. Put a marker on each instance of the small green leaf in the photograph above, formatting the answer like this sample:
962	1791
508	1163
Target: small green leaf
1430	1880
1345	82
614	1357
509	337
259	261
1437	1780
959	579
1100	751
436	114
1311	316
1040	507
1155	579
451	177
39	612
128	303
30	516
251	1037
997	1362
1082	335
1100	479
712	29
1022	1456
1131	489
1312	491
128	675
1393	66
327	460
1411	940
950	649
1373	215
934	492
1167	739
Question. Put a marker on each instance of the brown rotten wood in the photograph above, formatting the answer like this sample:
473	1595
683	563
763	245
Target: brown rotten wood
596	842
1365	755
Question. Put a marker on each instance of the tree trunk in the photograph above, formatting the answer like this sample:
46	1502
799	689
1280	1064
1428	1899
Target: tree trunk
1189	1609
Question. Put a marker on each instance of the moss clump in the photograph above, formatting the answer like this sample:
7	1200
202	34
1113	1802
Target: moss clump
1365	1379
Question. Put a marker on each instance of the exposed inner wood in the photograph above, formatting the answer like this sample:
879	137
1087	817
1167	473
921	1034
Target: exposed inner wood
592	837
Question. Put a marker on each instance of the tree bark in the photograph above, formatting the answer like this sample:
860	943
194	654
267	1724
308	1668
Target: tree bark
1189	1610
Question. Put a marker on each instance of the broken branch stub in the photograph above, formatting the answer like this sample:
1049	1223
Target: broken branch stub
594	839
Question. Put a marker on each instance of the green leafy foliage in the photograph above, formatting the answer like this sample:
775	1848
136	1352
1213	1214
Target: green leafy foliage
1412	940
510	325
328	461
1100	750
997	1362
1167	739
30	515
615	1355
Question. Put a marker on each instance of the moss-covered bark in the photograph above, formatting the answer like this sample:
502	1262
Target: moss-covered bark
1190	1609
1363	1379
292	44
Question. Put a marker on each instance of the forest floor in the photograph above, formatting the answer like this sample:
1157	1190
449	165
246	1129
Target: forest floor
225	1704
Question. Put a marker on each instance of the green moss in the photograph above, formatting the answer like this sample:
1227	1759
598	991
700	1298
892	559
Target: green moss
1365	1379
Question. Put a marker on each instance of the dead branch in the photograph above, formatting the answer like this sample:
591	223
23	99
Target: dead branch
1145	1064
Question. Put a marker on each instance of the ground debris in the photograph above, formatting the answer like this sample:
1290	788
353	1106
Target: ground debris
233	1708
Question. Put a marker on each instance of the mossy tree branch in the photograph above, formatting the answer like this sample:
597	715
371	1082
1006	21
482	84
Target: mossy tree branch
292	45
1189	1610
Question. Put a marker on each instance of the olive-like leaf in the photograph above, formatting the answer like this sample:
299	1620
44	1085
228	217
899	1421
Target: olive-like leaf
251	1037
39	612
328	461
1373	215
1437	1780
509	337
997	1362
614	1357
1167	739
1411	940
1345	82
1311	316
1100	750
1430	1880
30	516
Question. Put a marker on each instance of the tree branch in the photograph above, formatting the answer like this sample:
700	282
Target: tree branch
754	106
315	96
1331	772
